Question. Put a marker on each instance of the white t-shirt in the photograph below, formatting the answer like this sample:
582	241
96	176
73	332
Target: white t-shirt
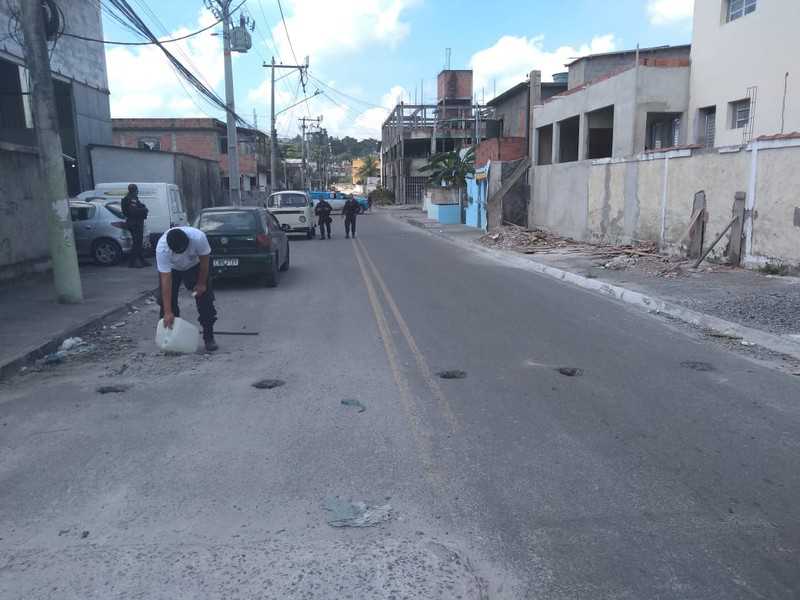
167	260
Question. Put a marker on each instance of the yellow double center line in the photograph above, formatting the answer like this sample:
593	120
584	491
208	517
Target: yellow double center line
368	272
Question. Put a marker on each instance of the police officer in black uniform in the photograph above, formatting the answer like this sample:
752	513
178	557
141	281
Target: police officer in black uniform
350	210
323	211
135	214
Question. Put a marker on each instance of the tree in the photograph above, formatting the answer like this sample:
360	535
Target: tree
451	168
369	168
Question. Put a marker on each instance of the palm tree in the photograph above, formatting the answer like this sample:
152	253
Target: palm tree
451	169
369	168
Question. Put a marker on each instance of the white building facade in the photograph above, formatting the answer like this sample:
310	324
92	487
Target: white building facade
745	76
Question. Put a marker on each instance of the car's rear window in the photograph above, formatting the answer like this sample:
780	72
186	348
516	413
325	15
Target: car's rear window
292	200
233	221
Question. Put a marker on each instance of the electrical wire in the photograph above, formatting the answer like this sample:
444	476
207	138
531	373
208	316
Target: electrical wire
127	12
288	38
167	41
339	92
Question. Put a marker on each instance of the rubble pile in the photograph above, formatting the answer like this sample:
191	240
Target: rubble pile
641	255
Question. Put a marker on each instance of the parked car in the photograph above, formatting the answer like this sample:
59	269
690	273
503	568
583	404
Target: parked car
246	242
100	231
294	211
163	201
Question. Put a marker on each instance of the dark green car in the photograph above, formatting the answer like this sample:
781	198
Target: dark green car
246	242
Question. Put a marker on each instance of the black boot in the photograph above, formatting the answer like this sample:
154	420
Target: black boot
208	339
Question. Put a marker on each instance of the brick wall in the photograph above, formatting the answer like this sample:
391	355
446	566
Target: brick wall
500	149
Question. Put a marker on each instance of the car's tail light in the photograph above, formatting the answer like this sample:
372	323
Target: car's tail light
263	240
119	224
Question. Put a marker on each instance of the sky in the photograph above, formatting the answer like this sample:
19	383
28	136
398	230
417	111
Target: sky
366	55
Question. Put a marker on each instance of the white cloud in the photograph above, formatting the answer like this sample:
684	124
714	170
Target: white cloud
144	84
319	28
511	59
668	12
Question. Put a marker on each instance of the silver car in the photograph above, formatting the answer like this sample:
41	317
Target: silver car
100	231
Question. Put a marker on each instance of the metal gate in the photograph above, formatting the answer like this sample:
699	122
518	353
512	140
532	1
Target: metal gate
415	190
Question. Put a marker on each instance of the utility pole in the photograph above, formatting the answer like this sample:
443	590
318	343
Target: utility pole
303	127
234	39
273	133
234	179
66	275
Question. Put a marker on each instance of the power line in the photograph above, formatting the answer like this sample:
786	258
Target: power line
288	38
353	98
126	11
167	41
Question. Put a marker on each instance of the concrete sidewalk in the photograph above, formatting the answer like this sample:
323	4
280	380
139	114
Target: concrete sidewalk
33	323
745	306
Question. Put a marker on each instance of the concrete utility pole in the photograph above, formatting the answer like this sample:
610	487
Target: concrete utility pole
273	134
66	275
234	178
303	127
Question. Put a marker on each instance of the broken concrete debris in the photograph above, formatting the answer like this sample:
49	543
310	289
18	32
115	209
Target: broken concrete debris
346	513
70	348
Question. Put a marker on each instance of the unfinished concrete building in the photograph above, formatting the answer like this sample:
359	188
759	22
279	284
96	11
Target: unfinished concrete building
412	133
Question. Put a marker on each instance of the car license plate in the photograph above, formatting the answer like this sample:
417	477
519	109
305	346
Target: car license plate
226	262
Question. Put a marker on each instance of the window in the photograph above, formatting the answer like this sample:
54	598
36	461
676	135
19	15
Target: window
740	114
82	212
231	221
739	8
149	143
708	126
223	145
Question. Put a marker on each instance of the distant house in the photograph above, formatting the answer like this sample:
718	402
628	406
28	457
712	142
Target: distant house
204	138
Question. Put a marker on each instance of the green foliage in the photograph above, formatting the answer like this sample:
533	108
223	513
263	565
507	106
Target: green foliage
381	196
370	167
451	168
773	268
348	148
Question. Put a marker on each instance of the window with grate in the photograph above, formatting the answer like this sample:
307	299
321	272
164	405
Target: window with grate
740	114
740	8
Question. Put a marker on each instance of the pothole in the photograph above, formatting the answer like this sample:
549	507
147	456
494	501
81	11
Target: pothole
695	365
570	371
119	388
452	374
268	384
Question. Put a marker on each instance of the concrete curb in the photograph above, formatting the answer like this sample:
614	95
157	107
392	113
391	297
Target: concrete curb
11	366
652	304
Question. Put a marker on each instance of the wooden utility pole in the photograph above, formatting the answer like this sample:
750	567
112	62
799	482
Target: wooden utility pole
66	275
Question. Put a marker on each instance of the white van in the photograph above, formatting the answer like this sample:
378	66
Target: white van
163	201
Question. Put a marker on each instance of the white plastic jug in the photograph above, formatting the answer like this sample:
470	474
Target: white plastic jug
182	338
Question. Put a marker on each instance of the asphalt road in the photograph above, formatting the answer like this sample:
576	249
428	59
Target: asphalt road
666	467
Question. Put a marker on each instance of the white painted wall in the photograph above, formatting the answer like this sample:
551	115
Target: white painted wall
755	50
